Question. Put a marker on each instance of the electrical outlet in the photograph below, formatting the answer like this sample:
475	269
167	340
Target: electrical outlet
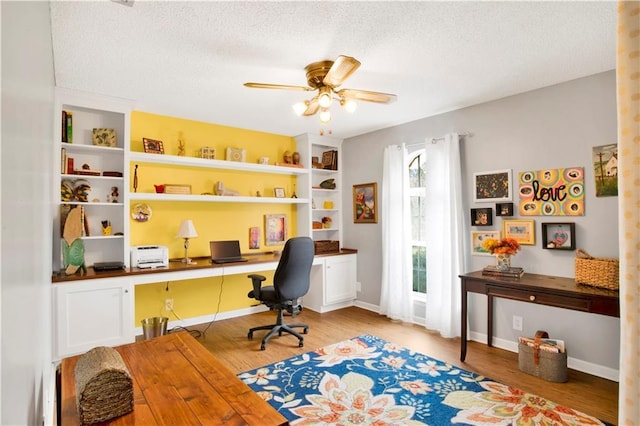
517	323
168	305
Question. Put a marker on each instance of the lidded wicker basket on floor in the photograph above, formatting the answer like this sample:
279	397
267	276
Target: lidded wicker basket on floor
104	388
597	272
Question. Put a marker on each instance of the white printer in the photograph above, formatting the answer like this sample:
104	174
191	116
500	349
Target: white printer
149	256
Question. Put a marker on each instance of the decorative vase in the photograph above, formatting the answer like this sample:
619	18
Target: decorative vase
503	261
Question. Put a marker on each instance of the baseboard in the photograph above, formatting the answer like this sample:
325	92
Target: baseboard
209	318
367	306
573	363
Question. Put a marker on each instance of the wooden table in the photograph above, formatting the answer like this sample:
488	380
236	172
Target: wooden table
177	381
534	288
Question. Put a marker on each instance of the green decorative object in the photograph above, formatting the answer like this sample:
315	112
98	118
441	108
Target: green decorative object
73	257
72	245
328	184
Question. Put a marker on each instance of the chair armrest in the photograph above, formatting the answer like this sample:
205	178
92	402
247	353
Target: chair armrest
257	280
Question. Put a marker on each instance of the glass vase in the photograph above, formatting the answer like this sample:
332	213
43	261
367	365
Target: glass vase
503	261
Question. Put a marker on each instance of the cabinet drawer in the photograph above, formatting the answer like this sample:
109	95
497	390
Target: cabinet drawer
560	301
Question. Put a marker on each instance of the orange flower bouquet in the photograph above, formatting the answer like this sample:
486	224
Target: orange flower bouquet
504	246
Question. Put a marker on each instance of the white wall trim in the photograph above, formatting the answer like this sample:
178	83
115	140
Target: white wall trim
573	363
368	306
208	318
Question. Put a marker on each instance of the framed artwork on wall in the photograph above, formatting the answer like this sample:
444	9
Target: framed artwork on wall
275	229
504	209
482	217
492	186
478	237
365	208
552	192
559	236
521	230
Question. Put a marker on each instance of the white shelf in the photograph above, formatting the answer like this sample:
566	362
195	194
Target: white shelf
102	237
147	196
80	203
94	149
175	160
91	177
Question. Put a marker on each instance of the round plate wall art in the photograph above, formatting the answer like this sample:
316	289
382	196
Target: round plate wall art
141	212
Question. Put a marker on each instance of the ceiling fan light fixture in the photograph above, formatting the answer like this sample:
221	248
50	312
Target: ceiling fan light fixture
324	98
325	115
300	107
349	105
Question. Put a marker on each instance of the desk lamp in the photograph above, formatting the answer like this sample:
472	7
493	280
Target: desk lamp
186	231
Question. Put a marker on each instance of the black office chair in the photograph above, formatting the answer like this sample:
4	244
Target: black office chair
290	282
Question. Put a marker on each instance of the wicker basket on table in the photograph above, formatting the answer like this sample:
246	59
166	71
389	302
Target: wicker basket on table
597	272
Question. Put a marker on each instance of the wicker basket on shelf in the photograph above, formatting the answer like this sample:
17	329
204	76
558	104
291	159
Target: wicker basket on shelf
597	272
326	246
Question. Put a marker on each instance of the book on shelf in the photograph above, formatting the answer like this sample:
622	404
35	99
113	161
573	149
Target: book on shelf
330	160
547	345
67	126
511	272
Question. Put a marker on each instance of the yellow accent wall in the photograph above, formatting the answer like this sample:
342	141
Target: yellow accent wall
213	221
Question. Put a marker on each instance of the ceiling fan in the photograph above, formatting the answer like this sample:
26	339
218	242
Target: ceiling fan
326	77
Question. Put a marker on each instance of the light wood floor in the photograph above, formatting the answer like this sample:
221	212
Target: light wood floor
228	341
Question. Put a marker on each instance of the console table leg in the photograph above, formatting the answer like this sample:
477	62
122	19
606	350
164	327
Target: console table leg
489	319
463	324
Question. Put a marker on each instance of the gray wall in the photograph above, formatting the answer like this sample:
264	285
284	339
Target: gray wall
553	127
26	168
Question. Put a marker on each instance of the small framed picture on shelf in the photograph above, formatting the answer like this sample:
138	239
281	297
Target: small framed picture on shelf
236	154
521	230
152	146
482	217
504	209
279	193
559	236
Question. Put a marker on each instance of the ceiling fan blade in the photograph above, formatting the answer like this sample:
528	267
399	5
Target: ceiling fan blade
341	69
313	107
277	86
367	96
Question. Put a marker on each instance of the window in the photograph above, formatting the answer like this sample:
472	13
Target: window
417	192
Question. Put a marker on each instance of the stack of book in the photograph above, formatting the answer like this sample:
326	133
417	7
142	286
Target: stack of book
512	272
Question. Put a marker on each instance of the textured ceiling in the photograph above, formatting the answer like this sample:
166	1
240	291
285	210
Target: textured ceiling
190	59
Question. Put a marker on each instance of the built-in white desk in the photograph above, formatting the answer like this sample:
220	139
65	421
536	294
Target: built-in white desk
98	308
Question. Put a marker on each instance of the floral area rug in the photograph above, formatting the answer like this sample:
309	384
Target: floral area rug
369	381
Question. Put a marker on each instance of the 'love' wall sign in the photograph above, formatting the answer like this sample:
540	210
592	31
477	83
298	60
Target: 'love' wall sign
552	192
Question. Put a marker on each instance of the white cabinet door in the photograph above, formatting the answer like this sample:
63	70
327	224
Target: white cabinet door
340	278
92	313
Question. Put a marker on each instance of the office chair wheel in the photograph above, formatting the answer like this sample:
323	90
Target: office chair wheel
262	347
305	330
250	335
301	344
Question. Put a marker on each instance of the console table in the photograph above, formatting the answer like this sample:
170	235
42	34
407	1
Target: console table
534	288
176	380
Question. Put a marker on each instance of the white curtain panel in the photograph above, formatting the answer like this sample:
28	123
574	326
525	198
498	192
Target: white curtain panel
395	295
444	233
628	82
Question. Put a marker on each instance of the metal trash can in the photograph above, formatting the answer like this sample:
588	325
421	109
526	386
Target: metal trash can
154	327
